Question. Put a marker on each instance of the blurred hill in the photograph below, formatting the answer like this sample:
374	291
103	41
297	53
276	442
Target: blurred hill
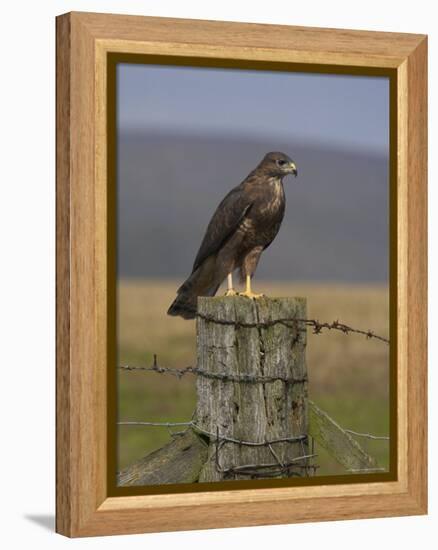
336	222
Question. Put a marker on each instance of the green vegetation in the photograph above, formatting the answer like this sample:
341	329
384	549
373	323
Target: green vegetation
348	375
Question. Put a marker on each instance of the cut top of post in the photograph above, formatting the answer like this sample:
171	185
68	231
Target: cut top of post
276	323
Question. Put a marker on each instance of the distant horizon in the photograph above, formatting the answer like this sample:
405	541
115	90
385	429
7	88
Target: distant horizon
160	132
336	221
262	281
186	136
349	110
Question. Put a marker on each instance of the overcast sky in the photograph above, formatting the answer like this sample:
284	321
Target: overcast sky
203	130
343	111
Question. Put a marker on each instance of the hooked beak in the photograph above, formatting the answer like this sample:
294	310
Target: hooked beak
293	169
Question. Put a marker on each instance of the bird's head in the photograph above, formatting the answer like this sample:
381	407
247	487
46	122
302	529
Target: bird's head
278	164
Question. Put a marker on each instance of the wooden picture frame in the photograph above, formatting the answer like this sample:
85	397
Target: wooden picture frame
84	43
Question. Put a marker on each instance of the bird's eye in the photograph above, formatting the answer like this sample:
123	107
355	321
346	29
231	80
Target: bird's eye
281	162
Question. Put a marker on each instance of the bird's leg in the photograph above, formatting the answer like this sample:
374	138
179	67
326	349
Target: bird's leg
248	292
230	290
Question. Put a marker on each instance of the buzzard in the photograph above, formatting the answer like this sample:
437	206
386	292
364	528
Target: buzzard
243	225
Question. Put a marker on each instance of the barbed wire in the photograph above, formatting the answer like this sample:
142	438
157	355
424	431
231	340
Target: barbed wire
278	467
336	325
155	367
180	372
192	424
273	469
266	443
317	326
249	378
199	429
263	470
253	470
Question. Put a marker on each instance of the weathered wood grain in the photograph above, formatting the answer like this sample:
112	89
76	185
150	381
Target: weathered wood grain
180	461
416	398
337	442
252	411
172	36
83	505
64	466
236	339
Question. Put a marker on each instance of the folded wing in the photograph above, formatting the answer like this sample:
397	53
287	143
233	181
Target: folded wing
225	221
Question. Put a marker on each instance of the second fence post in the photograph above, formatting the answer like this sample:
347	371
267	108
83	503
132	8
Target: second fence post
252	387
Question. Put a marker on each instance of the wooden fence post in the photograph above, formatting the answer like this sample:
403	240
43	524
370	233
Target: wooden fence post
253	416
252	387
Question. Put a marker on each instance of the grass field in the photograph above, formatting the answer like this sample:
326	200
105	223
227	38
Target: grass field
348	375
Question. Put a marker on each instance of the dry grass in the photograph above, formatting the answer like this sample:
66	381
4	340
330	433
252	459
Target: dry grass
349	375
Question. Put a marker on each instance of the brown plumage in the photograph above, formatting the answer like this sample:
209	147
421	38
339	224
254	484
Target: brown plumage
243	225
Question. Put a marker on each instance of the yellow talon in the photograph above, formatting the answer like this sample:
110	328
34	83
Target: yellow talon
248	293
231	292
251	295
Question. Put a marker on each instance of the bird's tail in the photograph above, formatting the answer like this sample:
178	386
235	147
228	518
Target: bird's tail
200	283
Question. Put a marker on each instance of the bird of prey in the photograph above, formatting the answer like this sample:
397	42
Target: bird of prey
243	225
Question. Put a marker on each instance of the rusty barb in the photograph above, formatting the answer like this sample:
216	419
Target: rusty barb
336	325
271	469
302	462
297	466
155	367
215	436
292	322
252	470
248	378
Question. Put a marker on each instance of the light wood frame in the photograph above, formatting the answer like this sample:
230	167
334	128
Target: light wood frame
83	42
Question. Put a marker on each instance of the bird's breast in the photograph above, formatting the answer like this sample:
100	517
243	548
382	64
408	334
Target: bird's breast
271	201
264	218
